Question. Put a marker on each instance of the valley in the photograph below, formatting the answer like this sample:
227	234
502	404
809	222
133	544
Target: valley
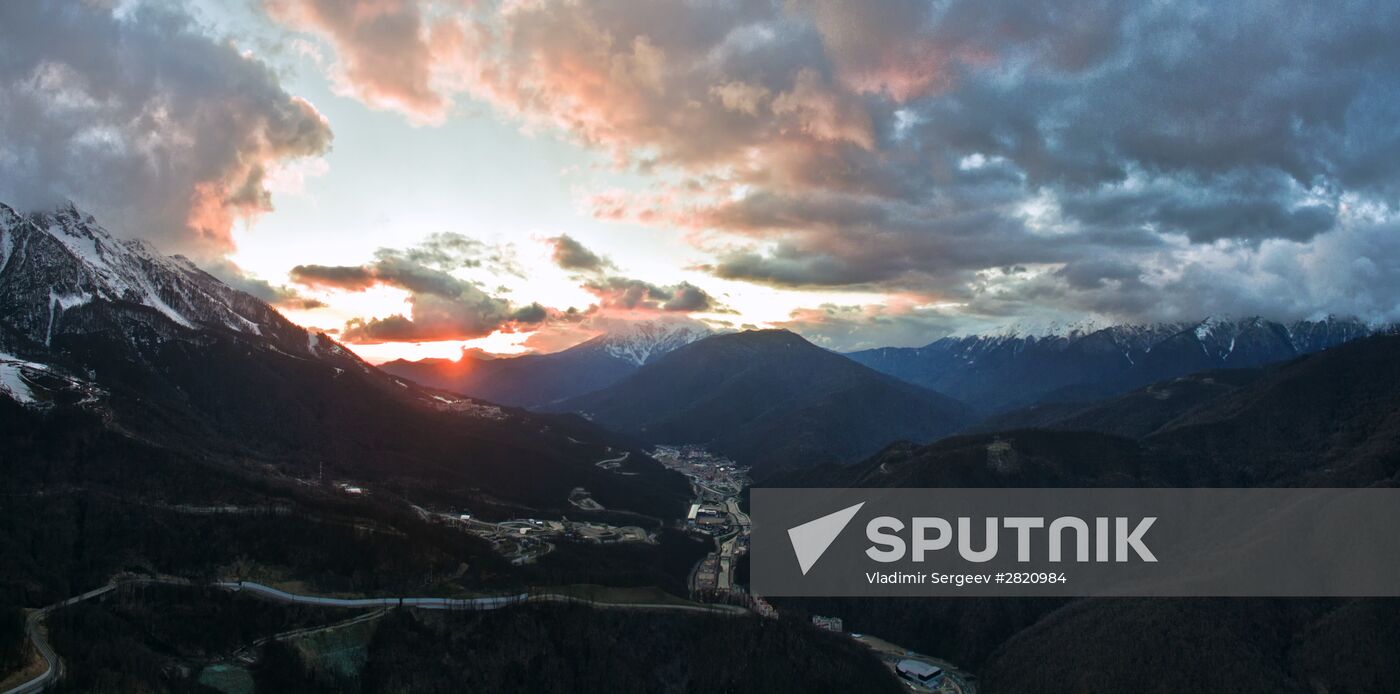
714	513
170	433
661	347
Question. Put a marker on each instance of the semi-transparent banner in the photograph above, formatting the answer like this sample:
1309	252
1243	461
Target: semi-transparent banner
1076	542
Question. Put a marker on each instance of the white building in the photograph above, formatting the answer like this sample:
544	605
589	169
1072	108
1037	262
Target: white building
919	671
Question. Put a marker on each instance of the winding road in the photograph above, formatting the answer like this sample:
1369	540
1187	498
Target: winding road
468	604
54	665
611	463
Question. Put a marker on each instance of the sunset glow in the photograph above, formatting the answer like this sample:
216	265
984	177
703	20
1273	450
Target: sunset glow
864	177
495	343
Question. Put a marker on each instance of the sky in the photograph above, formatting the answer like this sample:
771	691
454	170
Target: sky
420	177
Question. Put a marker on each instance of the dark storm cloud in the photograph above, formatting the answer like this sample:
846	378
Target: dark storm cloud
635	295
569	254
1240	209
794	267
277	295
892	244
617	293
1194	88
162	130
688	297
351	278
1095	273
401	272
534	313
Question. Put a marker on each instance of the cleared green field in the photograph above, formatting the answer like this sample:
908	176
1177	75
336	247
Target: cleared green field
229	679
340	652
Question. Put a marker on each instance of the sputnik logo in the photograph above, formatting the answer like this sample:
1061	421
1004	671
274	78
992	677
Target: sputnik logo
810	540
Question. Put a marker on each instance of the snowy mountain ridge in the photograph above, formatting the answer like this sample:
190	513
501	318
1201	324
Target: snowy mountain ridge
65	280
53	265
1216	332
1013	367
639	342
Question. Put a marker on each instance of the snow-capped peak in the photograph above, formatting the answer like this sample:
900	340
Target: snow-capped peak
639	342
119	269
1048	328
60	271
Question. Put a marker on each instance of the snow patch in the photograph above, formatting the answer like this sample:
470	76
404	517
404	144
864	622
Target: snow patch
116	266
63	302
12	381
7	248
83	246
1208	327
68	301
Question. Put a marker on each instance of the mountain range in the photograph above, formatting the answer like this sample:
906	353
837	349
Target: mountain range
539	380
165	350
154	420
1011	369
771	399
1327	419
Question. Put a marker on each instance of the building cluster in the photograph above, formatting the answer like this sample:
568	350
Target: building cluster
707	517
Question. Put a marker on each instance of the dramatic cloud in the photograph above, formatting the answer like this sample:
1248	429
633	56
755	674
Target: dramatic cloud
624	293
446	307
157	128
1004	157
636	295
350	278
569	254
385	58
443	306
436	318
277	295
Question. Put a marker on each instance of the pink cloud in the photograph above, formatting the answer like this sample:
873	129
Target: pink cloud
383	48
